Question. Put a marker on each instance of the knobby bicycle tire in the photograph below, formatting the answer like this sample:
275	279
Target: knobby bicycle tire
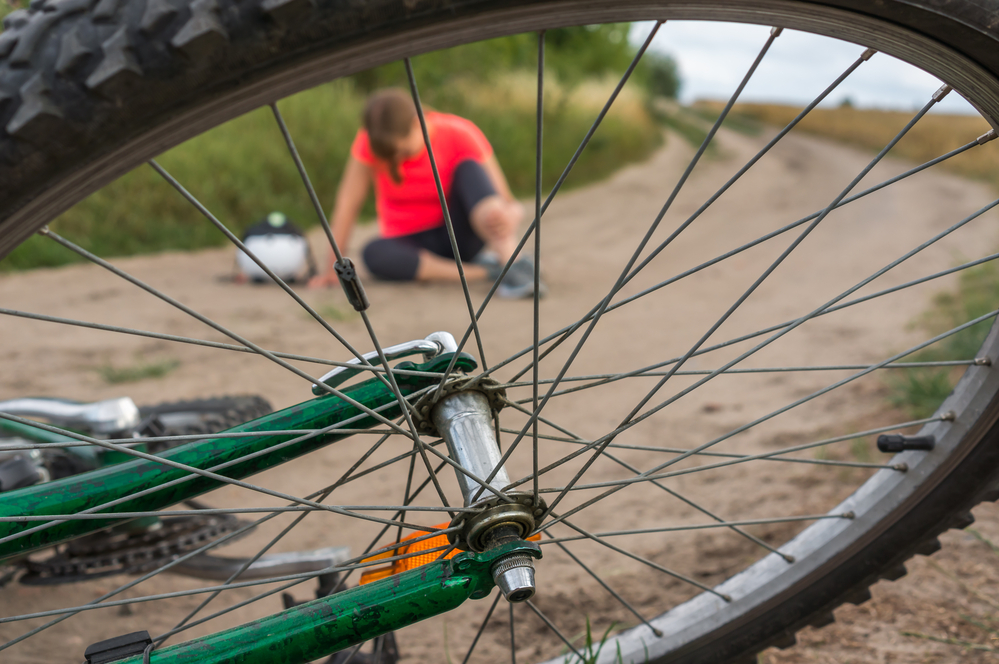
90	89
181	418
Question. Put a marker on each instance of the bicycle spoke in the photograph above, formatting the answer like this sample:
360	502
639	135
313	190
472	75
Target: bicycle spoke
233	586
407	413
176	439
203	473
367	552
562	334
263	266
482	628
131	584
180	480
260	351
537	241
645	561
829	310
769	456
865	56
447	214
211	344
168	565
814	462
326	493
645	476
682	498
649	372
513	638
625	603
353	651
556	187
937	96
362	310
701	526
815	312
553	628
409	485
323	222
774	33
776	455
703	510
233	510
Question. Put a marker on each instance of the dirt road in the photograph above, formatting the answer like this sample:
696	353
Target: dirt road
587	238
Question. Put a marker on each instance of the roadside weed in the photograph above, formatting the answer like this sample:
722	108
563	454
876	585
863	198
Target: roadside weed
136	372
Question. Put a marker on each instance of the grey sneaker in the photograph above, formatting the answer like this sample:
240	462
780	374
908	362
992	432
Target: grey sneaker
519	280
489	261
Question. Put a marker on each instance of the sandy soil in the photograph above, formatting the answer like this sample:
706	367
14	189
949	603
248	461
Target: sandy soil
588	236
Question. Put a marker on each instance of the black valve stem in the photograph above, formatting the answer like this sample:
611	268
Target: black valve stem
893	442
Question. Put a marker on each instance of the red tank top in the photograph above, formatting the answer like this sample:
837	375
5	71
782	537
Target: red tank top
412	205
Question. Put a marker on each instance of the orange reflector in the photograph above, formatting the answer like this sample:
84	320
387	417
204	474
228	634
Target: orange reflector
413	557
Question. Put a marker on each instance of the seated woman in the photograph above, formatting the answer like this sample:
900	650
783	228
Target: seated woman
413	242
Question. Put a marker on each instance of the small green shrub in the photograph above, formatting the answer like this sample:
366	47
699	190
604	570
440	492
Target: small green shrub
136	372
920	390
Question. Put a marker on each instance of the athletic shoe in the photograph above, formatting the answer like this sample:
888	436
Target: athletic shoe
519	280
488	260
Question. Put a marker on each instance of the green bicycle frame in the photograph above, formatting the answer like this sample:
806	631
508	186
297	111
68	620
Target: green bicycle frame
318	628
305	632
123	481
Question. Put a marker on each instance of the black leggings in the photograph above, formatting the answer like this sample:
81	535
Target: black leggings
397	258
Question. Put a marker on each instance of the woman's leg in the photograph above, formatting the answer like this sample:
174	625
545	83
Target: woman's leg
434	268
479	215
403	259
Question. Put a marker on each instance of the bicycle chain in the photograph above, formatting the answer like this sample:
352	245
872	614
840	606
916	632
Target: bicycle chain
108	553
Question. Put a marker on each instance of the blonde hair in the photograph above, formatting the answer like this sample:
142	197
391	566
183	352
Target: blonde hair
388	117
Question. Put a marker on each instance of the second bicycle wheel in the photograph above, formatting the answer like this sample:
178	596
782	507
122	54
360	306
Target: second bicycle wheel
707	445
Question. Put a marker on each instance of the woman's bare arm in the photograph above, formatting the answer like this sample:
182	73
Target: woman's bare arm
350	197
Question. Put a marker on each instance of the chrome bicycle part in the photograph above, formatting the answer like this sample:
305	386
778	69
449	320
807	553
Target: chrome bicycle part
430	347
465	421
100	417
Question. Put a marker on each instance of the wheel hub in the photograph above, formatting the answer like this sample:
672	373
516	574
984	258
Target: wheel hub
462	414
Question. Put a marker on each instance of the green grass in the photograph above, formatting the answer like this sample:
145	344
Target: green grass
135	372
332	312
920	391
591	649
743	124
240	171
692	132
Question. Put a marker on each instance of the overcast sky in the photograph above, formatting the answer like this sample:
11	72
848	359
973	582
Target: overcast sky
713	58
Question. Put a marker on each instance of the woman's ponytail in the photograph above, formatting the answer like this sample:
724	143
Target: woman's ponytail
388	118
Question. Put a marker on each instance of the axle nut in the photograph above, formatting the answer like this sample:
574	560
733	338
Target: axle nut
514	574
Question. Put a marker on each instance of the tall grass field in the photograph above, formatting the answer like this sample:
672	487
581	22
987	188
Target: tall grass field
872	129
242	170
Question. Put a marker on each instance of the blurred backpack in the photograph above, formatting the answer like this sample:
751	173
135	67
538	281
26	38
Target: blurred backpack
281	246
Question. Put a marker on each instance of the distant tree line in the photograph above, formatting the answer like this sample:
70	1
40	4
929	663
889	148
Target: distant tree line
571	55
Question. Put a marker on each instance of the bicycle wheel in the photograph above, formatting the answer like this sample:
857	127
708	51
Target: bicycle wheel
89	93
184	418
